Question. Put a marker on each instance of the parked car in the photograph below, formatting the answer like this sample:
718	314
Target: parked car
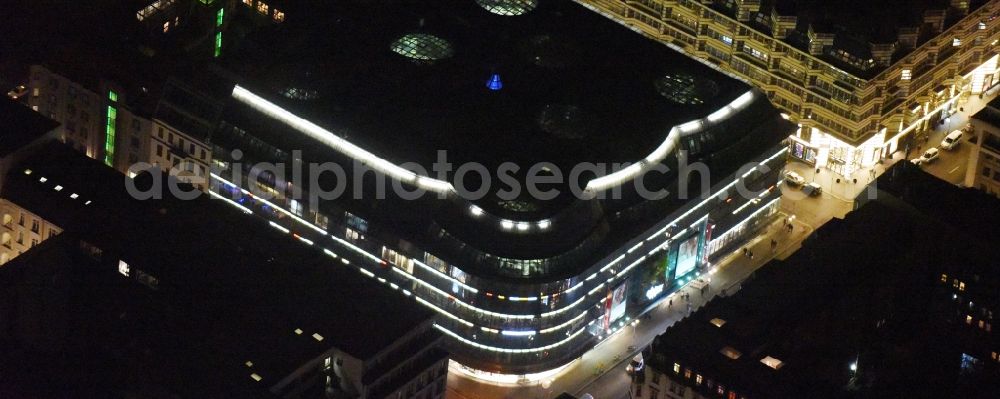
951	140
929	156
812	189
635	365
794	179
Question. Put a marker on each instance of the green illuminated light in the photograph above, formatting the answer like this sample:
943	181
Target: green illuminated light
218	17
112	96
109	134
218	43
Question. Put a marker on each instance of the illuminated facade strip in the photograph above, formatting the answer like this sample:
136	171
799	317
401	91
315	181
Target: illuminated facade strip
506	350
668	146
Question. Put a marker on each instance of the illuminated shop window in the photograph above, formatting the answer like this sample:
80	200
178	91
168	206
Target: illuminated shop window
278	16
906	75
248	3
123	268
956	42
508	7
683	88
262	8
422	47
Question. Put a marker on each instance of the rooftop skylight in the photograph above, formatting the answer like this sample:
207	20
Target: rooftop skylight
686	89
423	47
508	7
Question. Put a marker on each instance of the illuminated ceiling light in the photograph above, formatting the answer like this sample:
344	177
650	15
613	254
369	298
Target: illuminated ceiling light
249	363
88	202
74	196
256	377
475	210
58	188
43	179
298	331
522	226
507	224
27	171
544	224
317	337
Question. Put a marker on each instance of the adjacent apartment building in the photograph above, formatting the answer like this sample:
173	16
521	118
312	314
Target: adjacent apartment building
984	160
20	229
861	78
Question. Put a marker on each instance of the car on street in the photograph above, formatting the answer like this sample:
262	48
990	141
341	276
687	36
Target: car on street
794	179
635	365
952	140
929	156
812	189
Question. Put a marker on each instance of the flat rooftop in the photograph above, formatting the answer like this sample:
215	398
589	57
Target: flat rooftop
21	126
865	289
206	253
405	79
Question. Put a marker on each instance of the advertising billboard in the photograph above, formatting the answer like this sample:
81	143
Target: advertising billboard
615	305
687	256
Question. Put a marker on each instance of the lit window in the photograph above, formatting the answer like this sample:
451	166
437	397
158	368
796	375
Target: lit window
279	16
968	319
166	26
961	286
906	75
687	373
944	278
248	3
123	268
262	8
422	47
956	42
718	322
508	7
982	324
982	26
697	379
677	368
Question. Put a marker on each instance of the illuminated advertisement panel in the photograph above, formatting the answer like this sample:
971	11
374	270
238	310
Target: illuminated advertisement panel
615	305
687	256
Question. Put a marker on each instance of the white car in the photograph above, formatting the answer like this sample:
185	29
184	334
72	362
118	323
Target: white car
794	179
635	365
951	140
929	156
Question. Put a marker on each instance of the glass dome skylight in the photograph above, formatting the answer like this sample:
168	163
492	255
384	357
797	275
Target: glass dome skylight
422	47
508	7
683	88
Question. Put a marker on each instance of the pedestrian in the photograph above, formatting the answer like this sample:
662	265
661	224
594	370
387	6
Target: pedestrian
790	228
670	303
784	222
774	245
751	255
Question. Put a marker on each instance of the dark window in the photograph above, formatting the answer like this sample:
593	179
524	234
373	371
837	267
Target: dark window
986	171
34	226
159	150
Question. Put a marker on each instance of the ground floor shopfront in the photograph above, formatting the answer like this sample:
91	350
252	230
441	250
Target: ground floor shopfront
822	150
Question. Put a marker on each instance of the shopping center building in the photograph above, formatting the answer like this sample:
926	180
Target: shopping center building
523	285
861	78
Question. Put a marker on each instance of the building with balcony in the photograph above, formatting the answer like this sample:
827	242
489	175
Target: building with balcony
192	299
984	161
522	284
20	229
895	300
861	78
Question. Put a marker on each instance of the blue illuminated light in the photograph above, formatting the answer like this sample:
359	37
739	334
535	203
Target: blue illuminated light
494	83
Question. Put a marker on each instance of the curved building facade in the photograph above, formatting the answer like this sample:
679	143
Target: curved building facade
522	283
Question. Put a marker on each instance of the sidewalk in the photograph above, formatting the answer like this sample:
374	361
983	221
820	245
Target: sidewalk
601	372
